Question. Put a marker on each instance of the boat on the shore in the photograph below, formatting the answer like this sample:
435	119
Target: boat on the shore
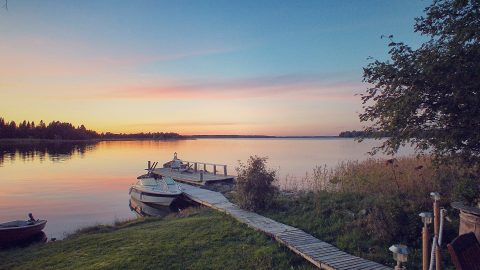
20	230
154	189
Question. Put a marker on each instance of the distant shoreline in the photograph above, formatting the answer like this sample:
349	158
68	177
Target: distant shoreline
187	137
34	140
256	137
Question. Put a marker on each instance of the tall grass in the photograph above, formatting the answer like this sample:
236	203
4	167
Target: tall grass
363	207
414	177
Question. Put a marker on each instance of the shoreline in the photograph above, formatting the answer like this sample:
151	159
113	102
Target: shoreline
35	140
39	140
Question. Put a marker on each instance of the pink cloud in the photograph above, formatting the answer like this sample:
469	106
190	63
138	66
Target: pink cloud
298	86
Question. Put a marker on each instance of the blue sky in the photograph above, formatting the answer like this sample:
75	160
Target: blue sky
234	67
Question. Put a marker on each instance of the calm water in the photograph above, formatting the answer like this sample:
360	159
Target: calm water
77	185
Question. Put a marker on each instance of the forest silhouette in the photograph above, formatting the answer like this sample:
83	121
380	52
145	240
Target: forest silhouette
57	130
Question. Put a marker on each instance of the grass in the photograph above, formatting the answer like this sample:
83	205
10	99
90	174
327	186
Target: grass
193	239
365	207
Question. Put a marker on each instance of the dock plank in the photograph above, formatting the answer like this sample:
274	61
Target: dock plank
317	252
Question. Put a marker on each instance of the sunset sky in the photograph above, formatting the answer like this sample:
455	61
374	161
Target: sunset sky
195	67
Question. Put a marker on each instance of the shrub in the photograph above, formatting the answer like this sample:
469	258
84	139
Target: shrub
255	187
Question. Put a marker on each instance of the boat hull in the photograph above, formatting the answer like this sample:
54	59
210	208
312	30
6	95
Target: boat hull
153	198
16	234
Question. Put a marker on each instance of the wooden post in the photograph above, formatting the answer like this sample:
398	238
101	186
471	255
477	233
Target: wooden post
195	167
149	164
425	247
201	176
215	169
204	167
225	170
436	224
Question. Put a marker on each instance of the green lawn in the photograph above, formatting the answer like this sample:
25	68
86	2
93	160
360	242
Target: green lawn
195	239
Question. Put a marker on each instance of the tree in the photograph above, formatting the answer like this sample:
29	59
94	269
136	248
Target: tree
430	96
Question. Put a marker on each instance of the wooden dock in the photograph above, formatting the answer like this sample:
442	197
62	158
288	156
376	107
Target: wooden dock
197	178
319	253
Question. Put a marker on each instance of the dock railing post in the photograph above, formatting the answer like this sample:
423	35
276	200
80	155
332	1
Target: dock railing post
204	167
225	170
149	164
195	167
215	169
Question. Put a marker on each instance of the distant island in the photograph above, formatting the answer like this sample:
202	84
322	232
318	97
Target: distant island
357	134
351	134
57	130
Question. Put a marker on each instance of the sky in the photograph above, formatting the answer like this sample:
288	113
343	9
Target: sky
196	67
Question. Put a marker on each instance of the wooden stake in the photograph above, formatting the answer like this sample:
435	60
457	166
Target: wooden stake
436	224
425	260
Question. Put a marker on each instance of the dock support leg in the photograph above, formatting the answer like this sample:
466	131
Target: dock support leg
225	170
215	169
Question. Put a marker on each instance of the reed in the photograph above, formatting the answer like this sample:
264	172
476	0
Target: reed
363	207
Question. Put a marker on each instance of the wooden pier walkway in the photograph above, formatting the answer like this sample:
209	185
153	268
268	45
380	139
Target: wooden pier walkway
319	253
198	178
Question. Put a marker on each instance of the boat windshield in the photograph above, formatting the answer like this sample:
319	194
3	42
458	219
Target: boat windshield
149	182
169	181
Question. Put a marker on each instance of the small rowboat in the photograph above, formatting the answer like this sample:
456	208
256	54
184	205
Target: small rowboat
19	230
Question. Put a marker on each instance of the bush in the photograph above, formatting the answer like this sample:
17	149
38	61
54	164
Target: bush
255	187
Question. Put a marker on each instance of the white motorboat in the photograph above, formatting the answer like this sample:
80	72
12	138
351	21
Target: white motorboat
155	190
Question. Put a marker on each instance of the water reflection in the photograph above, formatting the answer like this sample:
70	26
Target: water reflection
54	151
146	209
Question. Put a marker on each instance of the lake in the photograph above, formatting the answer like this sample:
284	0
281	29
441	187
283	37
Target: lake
74	185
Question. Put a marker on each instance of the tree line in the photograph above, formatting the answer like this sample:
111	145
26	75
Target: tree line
57	130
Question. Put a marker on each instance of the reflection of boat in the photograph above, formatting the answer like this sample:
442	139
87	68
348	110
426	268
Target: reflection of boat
154	189
19	230
144	209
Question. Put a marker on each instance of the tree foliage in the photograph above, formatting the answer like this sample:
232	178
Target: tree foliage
255	187
430	96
